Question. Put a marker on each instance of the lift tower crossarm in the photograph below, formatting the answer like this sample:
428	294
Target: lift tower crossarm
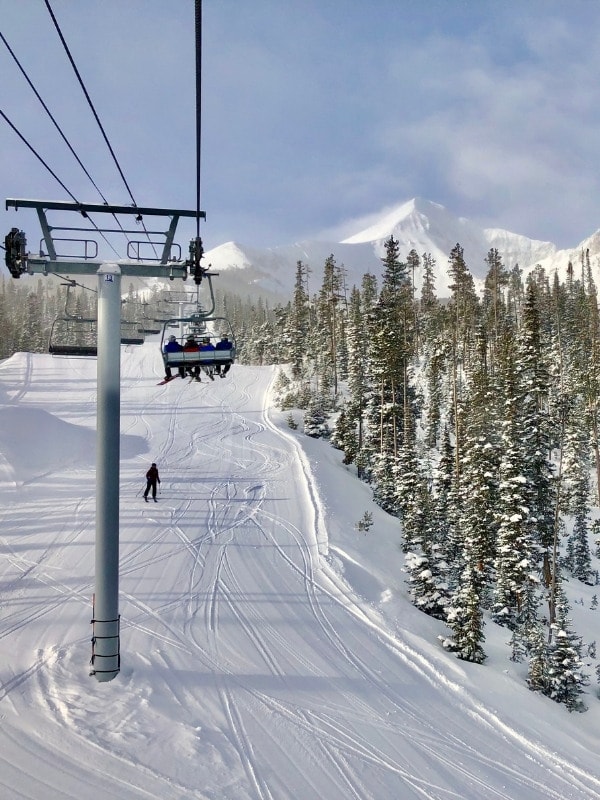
20	262
57	205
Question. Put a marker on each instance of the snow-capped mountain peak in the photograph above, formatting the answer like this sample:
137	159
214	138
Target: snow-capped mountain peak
417	224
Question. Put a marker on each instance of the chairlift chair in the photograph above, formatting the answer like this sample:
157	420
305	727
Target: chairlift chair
76	336
207	360
146	326
73	334
130	333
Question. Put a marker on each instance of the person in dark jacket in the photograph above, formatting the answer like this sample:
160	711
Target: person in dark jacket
152	479
223	344
191	346
208	347
173	346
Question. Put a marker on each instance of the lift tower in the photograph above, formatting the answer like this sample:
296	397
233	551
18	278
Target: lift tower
106	650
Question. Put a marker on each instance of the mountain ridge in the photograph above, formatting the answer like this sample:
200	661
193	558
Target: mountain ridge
418	224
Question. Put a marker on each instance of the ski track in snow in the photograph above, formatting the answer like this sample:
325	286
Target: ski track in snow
250	669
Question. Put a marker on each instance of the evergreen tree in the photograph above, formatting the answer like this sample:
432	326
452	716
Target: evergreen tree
464	315
391	348
298	322
436	361
315	421
564	679
358	361
344	437
515	550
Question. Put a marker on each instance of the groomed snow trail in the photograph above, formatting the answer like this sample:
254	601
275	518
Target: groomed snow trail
250	671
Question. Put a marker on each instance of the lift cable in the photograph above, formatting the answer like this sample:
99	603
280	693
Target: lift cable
47	110
88	98
97	118
55	176
198	107
73	282
58	128
196	249
38	156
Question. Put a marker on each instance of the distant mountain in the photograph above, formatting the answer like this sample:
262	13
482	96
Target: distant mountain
417	224
430	228
427	227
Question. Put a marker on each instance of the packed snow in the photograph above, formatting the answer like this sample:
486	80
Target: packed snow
269	651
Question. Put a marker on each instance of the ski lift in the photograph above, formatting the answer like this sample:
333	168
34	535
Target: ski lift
214	330
130	334
210	328
76	335
146	323
73	334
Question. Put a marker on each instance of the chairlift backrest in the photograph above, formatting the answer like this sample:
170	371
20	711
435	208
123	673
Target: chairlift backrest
198	357
73	336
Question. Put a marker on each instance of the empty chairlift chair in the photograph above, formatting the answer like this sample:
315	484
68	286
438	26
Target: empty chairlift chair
73	334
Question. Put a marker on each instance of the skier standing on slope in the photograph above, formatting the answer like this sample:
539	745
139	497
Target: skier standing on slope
152	479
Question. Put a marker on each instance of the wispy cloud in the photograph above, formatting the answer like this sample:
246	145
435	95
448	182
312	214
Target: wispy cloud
315	113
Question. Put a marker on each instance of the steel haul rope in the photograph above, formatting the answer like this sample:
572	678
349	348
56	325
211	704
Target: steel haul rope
197	250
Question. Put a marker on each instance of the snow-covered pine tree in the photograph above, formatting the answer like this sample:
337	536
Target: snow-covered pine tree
344	436
427	563
436	359
564	680
494	307
516	547
465	614
577	476
383	476
477	526
390	350
538	426
326	335
315	421
357	339
538	660
298	322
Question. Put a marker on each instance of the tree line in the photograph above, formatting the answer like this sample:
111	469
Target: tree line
475	420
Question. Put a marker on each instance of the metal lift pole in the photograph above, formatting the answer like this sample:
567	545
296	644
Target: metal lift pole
106	641
106	659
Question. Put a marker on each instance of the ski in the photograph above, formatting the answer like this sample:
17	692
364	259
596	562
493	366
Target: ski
166	380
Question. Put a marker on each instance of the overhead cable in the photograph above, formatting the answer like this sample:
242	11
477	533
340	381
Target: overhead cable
38	156
58	128
56	178
47	110
88	98
198	19
97	118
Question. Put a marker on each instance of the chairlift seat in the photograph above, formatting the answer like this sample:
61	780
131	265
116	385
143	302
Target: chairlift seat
199	357
132	340
72	350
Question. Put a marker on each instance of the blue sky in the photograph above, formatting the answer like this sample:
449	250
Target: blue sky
315	113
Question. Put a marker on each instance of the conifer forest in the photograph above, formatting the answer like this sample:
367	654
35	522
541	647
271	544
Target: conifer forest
474	419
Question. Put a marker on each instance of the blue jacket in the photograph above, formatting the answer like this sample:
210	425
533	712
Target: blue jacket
173	347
